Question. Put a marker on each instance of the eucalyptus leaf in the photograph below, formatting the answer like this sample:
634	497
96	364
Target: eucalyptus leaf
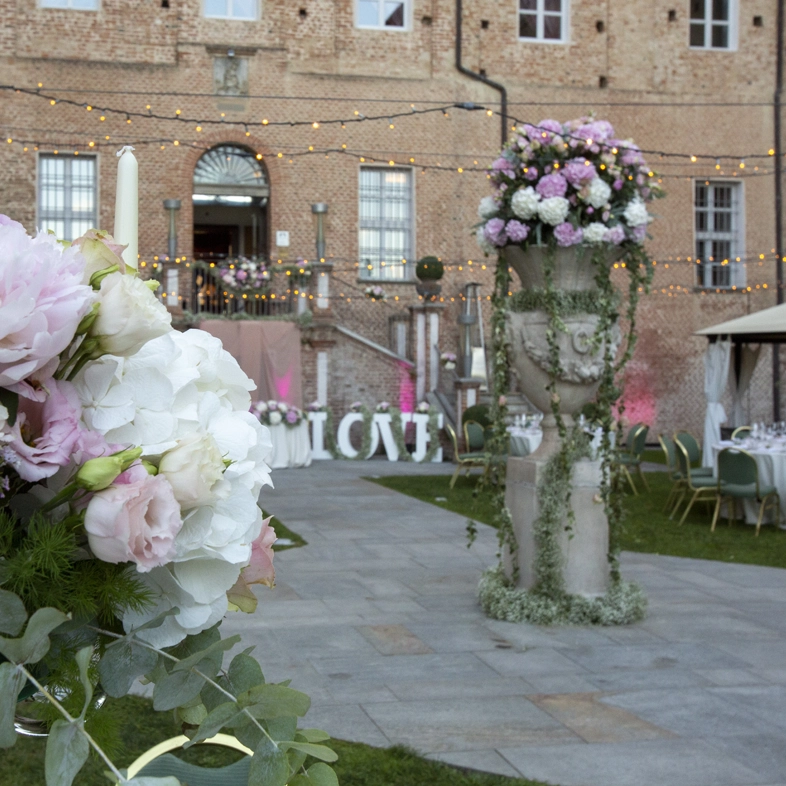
67	749
313	735
275	701
283	728
248	733
122	663
216	649
215	721
11	682
34	644
83	663
321	775
244	673
176	689
12	613
269	765
193	714
296	759
300	780
321	752
146	780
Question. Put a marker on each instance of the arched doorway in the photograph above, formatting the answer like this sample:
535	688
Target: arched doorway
231	194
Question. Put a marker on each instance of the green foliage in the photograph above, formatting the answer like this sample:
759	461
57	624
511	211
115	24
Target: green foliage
67	750
39	567
479	413
11	682
429	269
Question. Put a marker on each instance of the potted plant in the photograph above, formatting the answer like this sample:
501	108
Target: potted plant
429	271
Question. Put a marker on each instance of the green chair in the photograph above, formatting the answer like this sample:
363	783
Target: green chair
741	431
690	444
738	479
631	458
158	762
700	488
678	481
474	437
466	461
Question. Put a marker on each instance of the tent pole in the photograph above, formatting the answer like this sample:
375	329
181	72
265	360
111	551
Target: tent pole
776	374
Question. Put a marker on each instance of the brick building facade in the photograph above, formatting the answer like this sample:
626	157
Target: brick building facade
176	78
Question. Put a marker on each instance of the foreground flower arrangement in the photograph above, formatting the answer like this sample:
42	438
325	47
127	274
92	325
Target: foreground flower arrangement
129	523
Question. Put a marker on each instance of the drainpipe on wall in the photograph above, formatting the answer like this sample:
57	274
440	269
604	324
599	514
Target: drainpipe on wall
503	93
776	372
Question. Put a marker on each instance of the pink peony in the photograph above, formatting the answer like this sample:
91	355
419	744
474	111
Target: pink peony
615	235
42	300
134	520
291	417
260	569
568	235
46	433
578	171
494	232
516	231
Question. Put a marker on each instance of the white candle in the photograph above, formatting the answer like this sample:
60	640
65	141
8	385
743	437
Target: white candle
127	205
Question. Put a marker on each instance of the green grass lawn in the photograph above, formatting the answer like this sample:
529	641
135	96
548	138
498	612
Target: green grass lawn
141	728
647	527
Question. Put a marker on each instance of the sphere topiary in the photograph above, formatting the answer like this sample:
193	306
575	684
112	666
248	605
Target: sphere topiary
429	269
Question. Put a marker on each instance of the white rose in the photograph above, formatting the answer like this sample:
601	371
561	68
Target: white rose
260	406
484	244
595	233
598	193
525	203
553	210
487	208
194	469
636	213
275	418
129	317
282	407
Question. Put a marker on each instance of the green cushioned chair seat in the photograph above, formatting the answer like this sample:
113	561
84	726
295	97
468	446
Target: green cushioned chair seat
479	454
704	483
746	490
627	458
701	472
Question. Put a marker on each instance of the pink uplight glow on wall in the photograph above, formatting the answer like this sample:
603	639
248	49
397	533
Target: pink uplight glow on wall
639	398
406	389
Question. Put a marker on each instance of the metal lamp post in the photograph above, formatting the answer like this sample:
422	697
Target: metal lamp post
319	209
172	206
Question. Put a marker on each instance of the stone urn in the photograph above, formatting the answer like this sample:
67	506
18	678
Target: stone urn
585	566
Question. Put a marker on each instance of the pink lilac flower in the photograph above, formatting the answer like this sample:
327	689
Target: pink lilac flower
45	433
598	131
42	300
516	231
291	417
639	233
494	232
590	210
577	172
618	184
568	235
503	166
241	275
531	173
615	235
645	192
631	155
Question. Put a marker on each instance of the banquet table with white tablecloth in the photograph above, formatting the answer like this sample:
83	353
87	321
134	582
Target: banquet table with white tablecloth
291	446
771	462
524	441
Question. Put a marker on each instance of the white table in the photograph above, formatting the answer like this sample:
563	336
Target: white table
772	472
291	446
524	441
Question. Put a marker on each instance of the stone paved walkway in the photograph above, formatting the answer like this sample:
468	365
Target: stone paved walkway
378	621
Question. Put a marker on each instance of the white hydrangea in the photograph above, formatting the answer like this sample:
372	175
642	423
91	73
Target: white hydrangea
598	193
636	213
487	208
553	210
525	203
484	244
595	232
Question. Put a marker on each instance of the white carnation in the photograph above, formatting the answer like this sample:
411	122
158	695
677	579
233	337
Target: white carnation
487	208
553	210
484	244
595	232
525	203
636	213
598	193
275	418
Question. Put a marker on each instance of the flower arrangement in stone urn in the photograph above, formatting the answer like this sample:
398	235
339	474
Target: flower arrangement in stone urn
569	206
448	360
429	272
129	520
245	274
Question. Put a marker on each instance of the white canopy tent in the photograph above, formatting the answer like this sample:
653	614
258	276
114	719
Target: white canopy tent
730	354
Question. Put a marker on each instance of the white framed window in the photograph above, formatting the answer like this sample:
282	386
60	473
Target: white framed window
382	14
77	5
386	230
231	9
67	195
719	234
543	20
713	24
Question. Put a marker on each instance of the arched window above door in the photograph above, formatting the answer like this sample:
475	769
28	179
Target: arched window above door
230	170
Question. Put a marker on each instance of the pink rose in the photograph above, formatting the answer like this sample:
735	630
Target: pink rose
260	569
45	433
42	300
134	520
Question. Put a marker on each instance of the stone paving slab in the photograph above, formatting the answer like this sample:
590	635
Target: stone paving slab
378	620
